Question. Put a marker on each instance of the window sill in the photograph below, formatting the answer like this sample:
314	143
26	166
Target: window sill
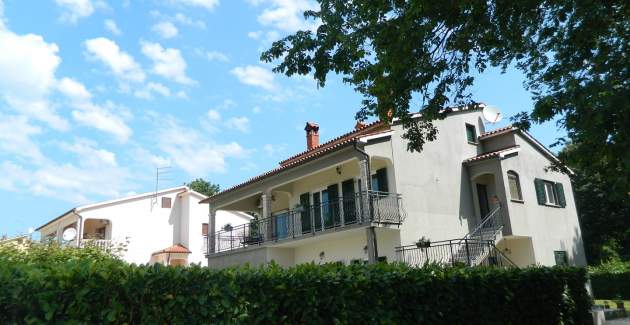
473	143
552	205
517	201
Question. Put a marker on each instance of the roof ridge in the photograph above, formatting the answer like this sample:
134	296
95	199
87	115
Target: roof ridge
347	134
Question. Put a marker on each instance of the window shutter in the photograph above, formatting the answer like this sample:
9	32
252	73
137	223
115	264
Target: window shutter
560	192
540	191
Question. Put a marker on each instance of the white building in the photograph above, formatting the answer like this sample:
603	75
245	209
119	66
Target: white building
479	197
167	226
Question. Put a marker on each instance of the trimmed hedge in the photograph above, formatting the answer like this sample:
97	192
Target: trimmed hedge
611	285
82	291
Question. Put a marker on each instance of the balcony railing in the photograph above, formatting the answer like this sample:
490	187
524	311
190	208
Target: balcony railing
469	252
360	208
103	244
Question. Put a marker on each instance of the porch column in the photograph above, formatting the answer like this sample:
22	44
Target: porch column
212	225
365	185
266	225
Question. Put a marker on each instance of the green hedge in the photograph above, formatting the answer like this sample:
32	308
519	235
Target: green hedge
81	291
611	280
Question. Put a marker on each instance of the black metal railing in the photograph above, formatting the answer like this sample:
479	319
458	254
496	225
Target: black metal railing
469	252
359	208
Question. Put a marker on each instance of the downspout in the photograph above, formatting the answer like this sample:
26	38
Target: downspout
371	231
79	227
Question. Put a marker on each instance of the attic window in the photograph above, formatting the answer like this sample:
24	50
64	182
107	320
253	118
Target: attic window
471	133
166	202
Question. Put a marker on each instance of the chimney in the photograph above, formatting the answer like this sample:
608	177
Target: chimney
359	125
312	135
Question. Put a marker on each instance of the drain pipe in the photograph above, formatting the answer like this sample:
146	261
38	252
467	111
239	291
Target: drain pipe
371	230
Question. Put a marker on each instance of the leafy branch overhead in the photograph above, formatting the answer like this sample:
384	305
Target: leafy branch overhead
204	187
417	55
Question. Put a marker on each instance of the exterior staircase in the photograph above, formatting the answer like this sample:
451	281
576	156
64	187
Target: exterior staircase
476	248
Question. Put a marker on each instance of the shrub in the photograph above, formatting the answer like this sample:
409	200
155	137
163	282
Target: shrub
88	291
611	280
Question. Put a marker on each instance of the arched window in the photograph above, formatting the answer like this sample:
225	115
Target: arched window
515	186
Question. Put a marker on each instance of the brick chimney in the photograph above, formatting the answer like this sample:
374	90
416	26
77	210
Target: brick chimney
312	135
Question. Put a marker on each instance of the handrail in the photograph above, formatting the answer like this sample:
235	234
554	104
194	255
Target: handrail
359	208
489	217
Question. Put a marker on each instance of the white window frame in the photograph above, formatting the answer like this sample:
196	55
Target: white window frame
550	192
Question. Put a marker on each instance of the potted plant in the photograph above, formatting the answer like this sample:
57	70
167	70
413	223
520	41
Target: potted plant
254	232
423	242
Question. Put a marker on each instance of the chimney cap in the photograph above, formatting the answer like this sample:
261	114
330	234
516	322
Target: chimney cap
311	126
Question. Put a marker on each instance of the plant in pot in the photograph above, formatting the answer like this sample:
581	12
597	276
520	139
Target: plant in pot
254	232
423	242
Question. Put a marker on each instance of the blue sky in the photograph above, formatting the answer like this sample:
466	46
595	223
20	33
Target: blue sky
95	94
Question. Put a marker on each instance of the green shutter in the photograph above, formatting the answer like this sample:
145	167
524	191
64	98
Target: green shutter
540	191
560	192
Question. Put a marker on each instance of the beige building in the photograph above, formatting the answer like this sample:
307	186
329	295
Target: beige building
470	197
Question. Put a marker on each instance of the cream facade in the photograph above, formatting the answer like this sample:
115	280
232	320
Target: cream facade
148	224
478	197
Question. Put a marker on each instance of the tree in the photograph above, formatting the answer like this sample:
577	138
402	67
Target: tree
605	218
401	54
204	187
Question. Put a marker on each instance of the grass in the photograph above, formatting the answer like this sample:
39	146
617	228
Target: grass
612	304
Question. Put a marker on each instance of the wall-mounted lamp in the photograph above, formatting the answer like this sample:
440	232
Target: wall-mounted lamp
338	170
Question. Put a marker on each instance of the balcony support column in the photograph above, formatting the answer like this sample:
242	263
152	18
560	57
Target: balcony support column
212	232
265	200
364	186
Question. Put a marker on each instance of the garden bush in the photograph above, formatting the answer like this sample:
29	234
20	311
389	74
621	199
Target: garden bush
83	290
611	280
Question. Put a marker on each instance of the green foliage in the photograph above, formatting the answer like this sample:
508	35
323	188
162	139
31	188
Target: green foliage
86	291
611	280
44	254
204	187
400	54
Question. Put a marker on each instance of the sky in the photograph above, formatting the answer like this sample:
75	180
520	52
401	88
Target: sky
96	94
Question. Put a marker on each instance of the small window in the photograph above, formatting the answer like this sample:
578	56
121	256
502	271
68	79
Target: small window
515	186
204	229
561	257
471	133
166	202
550	193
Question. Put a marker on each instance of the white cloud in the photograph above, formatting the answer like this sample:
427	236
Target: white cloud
180	19
256	109
15	138
121	64
217	56
75	9
153	88
90	154
214	115
2	18
192	151
286	15
112	27
108	118
73	90
238	123
255	76
206	4
165	29
274	150
167	63
254	35
28	66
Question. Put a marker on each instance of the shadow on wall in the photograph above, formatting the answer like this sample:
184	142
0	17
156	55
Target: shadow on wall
578	256
466	206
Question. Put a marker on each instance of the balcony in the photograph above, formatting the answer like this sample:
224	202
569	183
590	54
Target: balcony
361	209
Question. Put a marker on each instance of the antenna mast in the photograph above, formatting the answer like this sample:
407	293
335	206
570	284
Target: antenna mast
161	174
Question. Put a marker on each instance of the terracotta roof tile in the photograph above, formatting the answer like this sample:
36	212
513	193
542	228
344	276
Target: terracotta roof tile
498	131
177	248
489	155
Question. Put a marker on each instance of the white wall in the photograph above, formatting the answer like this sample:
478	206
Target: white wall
551	228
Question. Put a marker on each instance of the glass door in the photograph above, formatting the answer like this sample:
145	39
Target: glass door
317	211
349	204
305	215
282	225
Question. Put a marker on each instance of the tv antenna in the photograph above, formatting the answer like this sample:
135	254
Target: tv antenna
491	114
162	174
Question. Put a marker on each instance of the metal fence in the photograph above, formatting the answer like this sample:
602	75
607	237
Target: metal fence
360	208
470	252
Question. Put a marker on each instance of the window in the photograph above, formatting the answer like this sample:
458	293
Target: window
204	229
561	257
549	193
471	133
379	181
515	186
166	202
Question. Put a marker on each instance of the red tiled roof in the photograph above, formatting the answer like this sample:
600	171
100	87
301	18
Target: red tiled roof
498	131
489	155
177	248
368	129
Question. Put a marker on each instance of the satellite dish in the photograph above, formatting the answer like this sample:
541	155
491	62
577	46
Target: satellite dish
69	234
491	114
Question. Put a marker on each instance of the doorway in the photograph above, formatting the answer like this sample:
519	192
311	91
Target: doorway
482	196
